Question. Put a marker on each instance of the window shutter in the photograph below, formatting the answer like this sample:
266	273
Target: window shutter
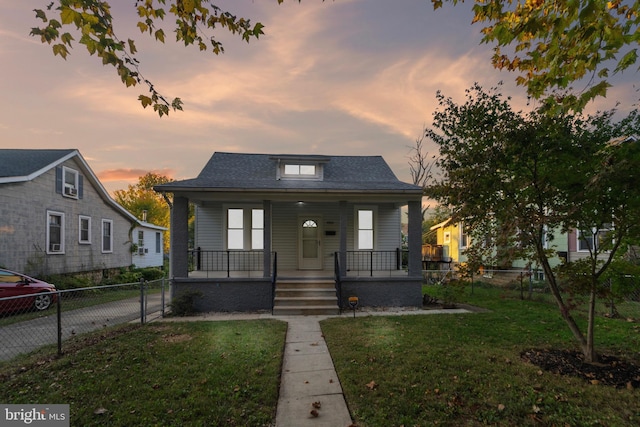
80	186
59	179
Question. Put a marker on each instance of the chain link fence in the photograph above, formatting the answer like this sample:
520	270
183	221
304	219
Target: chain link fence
30	322
623	300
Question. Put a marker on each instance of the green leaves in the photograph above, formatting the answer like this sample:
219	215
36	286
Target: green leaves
552	44
92	21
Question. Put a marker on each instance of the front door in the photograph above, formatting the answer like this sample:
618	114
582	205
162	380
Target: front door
309	243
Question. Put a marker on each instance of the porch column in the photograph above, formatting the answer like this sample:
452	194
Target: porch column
343	236
415	238
179	257
266	206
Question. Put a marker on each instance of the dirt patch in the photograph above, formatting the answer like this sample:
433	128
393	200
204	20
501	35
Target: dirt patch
609	370
175	338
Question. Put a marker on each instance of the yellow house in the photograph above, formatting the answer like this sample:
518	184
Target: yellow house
453	240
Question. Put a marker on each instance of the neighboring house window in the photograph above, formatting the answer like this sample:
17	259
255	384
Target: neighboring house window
447	237
84	227
55	232
107	235
158	242
464	237
257	229
71	182
586	238
245	228
140	242
365	229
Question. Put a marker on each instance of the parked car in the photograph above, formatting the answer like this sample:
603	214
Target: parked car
14	284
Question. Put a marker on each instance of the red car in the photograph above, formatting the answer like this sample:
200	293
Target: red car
14	284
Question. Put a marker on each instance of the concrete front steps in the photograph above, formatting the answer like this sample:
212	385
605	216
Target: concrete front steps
300	297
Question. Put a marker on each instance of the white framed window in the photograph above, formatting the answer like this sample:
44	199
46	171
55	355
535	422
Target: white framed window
70	182
84	229
464	237
446	237
235	228
365	228
245	228
587	238
294	170
55	232
257	229
158	242
107	236
141	242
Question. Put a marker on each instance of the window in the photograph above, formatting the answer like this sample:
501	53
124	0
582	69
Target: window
140	242
306	170
447	237
70	182
55	232
257	229
235	229
601	237
107	235
84	227
158	242
365	229
238	222
464	237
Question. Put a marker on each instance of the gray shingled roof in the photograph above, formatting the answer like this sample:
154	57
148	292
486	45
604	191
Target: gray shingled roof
258	171
22	163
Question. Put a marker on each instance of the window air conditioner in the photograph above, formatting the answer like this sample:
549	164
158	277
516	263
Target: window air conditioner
70	191
55	247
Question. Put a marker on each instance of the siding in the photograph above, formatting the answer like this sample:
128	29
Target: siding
285	223
150	258
23	228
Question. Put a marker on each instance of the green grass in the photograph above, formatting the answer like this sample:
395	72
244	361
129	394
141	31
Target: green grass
164	374
444	369
465	369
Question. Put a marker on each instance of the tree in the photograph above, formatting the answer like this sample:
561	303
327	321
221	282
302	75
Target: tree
555	43
92	23
144	202
518	180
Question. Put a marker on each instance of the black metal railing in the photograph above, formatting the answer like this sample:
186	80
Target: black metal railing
375	261
274	279
226	261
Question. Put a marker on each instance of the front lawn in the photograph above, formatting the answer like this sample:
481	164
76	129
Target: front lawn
165	374
466	369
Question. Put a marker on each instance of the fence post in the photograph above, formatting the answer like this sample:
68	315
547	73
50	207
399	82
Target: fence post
59	316
142	301
162	298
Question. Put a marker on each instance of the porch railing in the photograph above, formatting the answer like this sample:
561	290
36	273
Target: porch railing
375	261
337	274
226	262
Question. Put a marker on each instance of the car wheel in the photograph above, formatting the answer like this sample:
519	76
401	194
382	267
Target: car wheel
42	301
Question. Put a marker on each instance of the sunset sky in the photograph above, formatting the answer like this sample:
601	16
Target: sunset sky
343	77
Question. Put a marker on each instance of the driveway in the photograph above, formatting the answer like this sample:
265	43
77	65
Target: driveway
30	335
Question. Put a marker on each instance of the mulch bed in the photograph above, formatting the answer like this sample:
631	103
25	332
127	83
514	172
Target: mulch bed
609	370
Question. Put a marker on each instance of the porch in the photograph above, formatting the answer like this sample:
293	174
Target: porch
234	281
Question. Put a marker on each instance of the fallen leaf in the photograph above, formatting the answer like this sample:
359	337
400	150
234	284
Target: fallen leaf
100	411
595	382
315	413
372	385
501	407
316	405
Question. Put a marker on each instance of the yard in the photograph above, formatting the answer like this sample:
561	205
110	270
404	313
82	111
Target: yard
444	369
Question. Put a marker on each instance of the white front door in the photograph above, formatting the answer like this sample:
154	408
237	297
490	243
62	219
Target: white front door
309	243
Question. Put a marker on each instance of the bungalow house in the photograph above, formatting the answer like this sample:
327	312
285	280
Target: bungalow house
57	218
295	234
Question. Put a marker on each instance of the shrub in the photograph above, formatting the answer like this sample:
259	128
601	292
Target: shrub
182	304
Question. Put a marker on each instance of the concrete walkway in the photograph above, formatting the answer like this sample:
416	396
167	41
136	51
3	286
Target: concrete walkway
310	391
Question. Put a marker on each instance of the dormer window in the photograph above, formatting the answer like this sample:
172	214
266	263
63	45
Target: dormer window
300	167
70	182
299	170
